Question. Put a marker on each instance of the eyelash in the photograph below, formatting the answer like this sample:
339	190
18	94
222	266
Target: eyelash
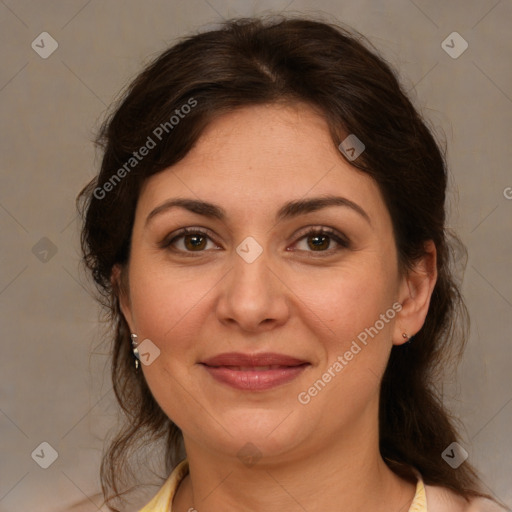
341	240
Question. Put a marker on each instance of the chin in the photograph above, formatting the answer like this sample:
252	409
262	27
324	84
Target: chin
257	432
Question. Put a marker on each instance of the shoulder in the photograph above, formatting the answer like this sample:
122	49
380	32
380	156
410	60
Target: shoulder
441	499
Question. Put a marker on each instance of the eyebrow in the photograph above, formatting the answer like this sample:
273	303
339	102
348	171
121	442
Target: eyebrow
289	210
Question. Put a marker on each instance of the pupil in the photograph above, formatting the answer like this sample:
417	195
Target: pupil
195	241
321	239
318	241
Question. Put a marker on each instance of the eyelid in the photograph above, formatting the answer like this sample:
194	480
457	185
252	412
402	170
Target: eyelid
169	239
321	229
335	235
338	237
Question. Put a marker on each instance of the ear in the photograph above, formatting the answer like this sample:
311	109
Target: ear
415	292
120	285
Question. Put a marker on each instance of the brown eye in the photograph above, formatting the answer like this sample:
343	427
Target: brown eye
321	240
188	240
193	242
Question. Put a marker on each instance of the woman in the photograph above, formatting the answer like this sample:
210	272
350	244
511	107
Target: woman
268	225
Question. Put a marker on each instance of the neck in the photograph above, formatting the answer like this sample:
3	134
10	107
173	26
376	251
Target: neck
345	471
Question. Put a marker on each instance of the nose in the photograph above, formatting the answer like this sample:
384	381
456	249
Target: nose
252	296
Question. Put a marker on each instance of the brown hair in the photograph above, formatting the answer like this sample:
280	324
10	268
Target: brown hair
262	61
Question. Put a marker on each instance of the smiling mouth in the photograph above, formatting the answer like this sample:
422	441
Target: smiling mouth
255	368
255	360
255	378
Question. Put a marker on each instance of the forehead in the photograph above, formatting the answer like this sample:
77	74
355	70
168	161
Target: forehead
278	137
259	157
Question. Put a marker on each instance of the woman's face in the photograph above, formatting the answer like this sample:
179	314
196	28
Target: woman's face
249	279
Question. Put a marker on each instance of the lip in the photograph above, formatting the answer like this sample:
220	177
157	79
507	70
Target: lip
254	372
261	359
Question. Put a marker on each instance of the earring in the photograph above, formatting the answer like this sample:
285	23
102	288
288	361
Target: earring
406	337
135	350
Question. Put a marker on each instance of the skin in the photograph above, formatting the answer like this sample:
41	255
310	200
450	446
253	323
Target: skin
294	299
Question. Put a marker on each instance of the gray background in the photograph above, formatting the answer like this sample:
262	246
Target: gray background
54	382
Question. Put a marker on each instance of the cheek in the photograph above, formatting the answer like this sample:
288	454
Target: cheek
165	311
164	302
348	300
355	311
356	339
